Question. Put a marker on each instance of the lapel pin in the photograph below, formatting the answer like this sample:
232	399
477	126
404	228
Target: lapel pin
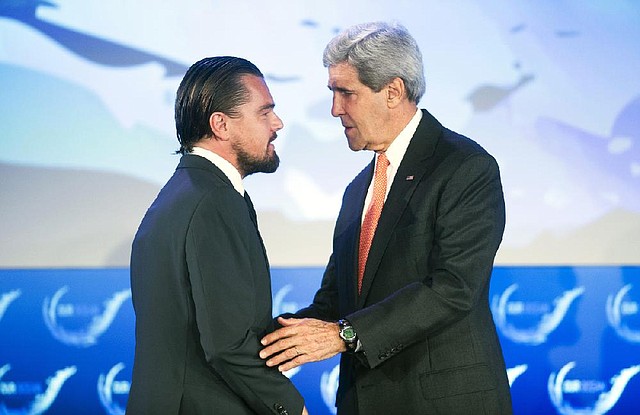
409	178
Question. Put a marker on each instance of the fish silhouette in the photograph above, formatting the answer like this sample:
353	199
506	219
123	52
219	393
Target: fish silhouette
89	47
487	97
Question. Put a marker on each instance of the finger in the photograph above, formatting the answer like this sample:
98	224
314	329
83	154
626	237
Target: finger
293	363
269	338
288	321
280	347
276	335
288	366
277	347
285	356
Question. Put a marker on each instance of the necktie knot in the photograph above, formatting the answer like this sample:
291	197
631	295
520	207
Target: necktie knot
382	163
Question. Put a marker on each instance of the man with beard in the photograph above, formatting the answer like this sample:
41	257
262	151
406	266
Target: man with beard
199	272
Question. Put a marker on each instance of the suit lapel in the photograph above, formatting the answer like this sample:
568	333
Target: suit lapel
411	171
356	205
347	234
254	219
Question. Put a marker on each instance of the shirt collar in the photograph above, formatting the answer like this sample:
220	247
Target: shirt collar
398	147
227	168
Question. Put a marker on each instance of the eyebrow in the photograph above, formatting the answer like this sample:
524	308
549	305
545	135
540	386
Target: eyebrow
267	107
339	89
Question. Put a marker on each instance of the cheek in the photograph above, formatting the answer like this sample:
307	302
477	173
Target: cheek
370	121
354	112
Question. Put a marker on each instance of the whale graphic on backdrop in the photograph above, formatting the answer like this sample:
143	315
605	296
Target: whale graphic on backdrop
89	335
41	402
547	324
605	399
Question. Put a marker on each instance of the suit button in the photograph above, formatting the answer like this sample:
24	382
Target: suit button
278	407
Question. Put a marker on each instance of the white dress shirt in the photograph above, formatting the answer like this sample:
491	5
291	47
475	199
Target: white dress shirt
395	154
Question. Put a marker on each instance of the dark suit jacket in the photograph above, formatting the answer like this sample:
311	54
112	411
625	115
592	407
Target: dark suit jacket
423	316
202	296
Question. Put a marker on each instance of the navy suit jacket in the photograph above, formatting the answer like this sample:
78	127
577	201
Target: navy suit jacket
423	317
202	296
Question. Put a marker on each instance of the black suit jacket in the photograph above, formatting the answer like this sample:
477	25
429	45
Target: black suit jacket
202	296
423	317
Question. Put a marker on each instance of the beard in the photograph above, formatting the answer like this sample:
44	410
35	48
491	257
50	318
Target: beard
249	164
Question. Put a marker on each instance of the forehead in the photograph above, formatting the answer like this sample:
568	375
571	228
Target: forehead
259	93
343	75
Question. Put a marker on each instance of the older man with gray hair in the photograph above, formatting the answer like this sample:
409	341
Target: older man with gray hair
404	297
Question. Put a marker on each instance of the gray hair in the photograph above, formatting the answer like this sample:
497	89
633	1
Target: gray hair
380	52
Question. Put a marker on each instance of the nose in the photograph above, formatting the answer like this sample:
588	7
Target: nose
277	123
336	106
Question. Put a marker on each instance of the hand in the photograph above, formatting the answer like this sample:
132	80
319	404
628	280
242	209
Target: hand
301	341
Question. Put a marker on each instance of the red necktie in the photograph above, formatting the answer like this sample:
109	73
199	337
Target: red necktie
370	221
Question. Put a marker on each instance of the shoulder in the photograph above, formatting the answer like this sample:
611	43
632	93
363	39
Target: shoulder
460	144
457	150
197	186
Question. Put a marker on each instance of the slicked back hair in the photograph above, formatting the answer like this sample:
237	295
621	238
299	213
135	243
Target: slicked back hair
210	85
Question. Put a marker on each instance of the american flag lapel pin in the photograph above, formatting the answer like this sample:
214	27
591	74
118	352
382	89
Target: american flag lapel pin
409	178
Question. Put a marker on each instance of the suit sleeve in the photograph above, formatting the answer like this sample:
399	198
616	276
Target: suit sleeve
468	228
232	298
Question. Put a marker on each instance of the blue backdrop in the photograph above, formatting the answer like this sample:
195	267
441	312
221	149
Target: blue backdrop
571	339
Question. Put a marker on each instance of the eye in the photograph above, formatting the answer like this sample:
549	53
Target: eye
266	110
342	91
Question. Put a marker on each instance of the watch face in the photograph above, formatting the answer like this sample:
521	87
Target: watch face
348	333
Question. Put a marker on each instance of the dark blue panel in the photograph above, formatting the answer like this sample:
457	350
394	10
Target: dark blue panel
66	334
571	339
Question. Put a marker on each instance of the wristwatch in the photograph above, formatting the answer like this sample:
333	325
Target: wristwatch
348	335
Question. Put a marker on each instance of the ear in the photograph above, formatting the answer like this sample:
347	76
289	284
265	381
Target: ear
218	125
395	92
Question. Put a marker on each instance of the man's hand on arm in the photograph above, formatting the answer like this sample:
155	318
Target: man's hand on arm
301	341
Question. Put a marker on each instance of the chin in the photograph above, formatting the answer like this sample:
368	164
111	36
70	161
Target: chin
356	146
